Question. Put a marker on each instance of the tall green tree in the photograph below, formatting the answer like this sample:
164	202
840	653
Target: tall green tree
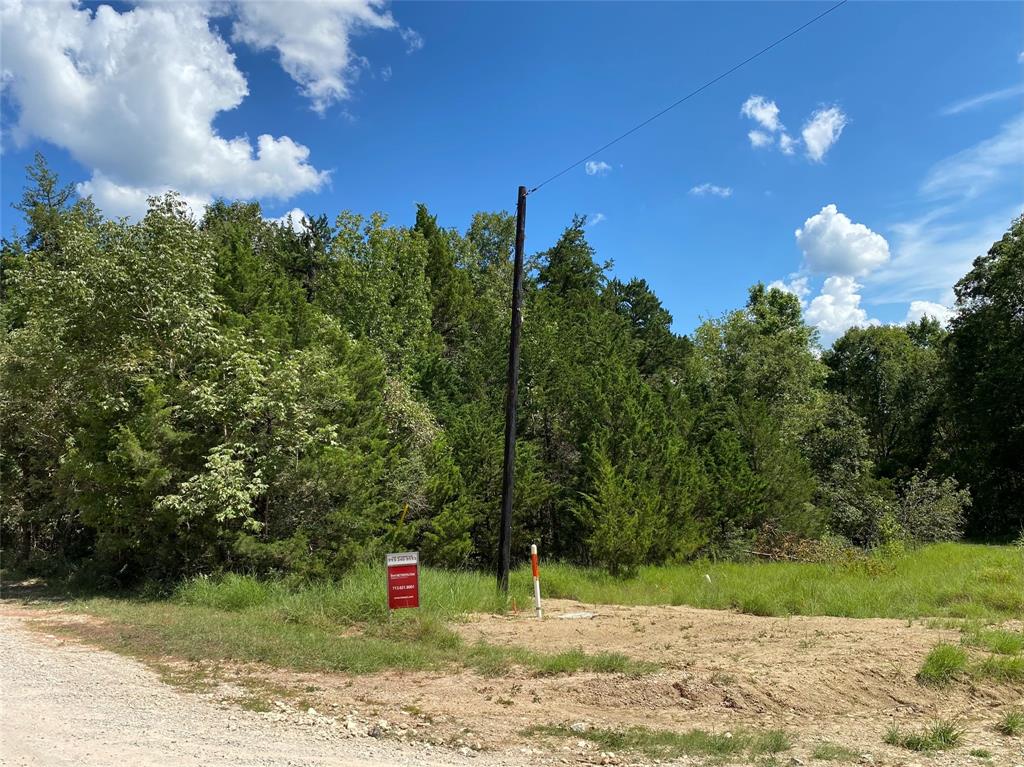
985	398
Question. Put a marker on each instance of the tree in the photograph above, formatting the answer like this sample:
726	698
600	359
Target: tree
891	377
985	399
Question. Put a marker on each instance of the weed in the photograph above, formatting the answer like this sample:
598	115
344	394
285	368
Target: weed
981	753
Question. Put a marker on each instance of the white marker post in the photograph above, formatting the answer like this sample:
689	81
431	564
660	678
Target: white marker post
536	580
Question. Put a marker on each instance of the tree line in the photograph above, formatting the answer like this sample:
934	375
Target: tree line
182	396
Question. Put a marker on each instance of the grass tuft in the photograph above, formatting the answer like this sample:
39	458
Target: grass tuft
938	736
1011	723
942	665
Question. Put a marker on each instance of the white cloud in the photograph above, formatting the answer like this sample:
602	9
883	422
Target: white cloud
133	95
759	139
312	40
293	219
976	168
597	167
837	308
919	309
797	285
822	130
985	98
787	144
765	112
712	189
833	244
413	40
596	219
933	251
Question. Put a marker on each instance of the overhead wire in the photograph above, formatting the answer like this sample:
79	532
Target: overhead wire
688	96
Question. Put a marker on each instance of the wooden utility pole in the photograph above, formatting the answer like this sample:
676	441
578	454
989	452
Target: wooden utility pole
512	400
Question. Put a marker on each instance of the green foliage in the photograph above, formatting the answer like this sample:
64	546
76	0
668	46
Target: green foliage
932	511
183	397
985	399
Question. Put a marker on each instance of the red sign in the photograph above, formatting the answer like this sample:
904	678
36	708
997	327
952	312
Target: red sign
403	580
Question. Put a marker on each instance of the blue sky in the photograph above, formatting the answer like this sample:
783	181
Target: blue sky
918	145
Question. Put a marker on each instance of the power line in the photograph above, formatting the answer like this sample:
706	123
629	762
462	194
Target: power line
688	96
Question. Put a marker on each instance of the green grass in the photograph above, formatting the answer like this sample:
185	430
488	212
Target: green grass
1011	723
833	752
981	753
947	580
1000	668
938	736
995	640
942	665
664	744
342	626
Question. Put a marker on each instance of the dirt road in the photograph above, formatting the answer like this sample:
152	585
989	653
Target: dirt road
65	704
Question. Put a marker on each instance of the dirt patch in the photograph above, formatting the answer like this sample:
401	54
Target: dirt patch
821	679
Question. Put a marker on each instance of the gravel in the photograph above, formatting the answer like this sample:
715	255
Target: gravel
62	703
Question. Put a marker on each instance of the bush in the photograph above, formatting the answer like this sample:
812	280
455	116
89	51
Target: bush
931	511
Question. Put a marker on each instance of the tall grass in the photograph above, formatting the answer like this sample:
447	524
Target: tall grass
345	625
944	580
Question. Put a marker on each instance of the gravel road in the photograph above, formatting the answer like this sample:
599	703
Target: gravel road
62	703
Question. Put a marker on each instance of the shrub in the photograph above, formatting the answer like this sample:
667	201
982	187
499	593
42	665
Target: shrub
931	511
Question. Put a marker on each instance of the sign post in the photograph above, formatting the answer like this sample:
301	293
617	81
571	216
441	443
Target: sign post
536	580
403	580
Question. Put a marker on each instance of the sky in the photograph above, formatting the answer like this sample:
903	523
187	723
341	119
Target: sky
862	164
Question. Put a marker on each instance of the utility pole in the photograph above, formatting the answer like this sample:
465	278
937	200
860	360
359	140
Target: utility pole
512	400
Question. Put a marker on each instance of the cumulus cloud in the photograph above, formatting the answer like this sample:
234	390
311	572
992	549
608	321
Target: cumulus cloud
597	167
712	189
764	111
822	130
833	244
133	95
312	41
596	219
293	219
837	308
797	285
819	133
919	309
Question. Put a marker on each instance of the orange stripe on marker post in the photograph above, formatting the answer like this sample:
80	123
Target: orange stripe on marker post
536	580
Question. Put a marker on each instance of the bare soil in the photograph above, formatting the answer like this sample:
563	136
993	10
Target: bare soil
820	679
